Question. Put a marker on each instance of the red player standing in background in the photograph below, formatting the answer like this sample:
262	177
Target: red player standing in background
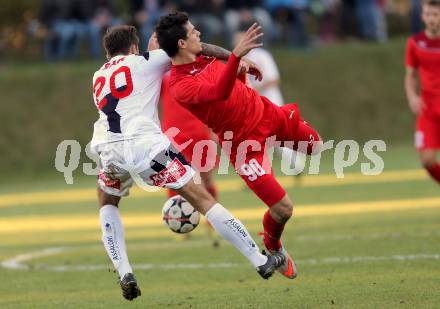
191	128
173	115
214	93
423	64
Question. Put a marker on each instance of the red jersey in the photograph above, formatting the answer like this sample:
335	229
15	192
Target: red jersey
174	115
213	93
228	103
423	54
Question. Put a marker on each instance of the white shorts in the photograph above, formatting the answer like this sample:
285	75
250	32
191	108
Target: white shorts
154	164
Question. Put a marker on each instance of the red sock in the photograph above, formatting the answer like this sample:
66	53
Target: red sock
434	171
213	191
272	232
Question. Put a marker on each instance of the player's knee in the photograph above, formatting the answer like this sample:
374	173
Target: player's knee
283	210
286	212
107	199
427	164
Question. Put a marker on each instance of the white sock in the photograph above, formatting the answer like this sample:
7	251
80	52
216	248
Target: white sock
113	238
234	231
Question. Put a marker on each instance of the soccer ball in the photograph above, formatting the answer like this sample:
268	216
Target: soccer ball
179	215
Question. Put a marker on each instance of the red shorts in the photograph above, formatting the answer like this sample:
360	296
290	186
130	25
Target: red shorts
197	153
253	166
427	132
201	151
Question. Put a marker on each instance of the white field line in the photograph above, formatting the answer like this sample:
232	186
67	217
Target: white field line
18	262
324	261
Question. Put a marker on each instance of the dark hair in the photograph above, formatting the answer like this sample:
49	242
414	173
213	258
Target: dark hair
118	40
169	30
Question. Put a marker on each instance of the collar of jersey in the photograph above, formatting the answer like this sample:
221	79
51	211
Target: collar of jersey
195	67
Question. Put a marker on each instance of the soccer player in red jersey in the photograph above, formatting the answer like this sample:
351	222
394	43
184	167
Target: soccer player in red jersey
212	91
423	64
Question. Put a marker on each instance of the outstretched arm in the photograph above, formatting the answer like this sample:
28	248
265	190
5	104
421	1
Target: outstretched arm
247	43
196	92
218	52
246	66
193	91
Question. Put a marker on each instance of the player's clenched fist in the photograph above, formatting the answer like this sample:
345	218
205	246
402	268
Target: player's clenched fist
253	69
249	41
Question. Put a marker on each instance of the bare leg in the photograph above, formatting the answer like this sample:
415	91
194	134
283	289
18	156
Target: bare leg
197	196
208	182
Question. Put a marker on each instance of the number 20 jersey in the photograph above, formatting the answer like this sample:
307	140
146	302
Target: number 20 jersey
126	91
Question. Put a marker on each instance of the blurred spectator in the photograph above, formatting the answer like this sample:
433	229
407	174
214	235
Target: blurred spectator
348	19
371	19
206	16
280	12
242	11
146	13
54	15
102	17
300	36
416	12
66	23
381	21
292	15
326	12
70	21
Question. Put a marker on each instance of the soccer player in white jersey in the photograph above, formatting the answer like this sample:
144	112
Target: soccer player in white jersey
269	87
129	141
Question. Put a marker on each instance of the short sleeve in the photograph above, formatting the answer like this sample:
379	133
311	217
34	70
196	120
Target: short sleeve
411	56
160	59
156	60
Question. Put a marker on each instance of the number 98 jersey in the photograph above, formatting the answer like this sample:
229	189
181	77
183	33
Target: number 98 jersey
126	91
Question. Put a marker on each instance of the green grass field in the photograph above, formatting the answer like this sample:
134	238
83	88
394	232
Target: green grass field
370	243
